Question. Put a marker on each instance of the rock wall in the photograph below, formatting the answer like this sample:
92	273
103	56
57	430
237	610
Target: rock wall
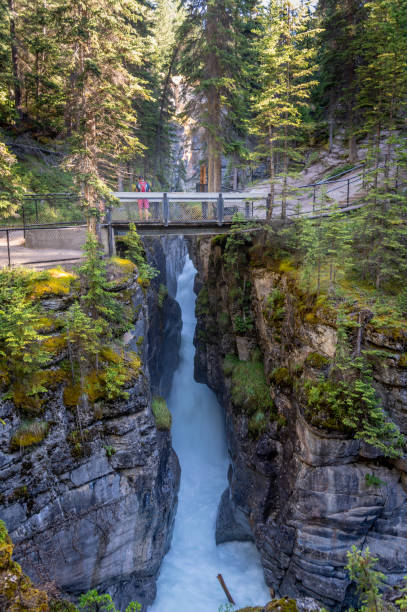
302	493
167	254
93	504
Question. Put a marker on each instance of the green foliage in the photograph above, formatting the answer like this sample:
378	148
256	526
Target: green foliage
162	294
275	306
110	451
352	405
202	302
162	415
3	532
234	251
22	352
134	250
249	389
369	581
258	423
28	434
243	324
373	481
11	187
316	360
98	302
84	336
93	602
281	376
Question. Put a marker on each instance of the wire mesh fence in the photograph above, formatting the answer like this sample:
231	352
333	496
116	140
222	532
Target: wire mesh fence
46	209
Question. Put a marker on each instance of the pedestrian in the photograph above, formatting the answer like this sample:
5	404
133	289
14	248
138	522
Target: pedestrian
144	204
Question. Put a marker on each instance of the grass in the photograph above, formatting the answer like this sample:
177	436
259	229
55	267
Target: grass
162	415
249	388
28	434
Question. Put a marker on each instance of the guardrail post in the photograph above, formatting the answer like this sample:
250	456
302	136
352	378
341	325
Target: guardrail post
247	210
220	209
269	210
8	248
348	193
23	220
166	209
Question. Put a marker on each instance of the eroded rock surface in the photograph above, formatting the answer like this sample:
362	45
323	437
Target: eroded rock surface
93	504
302	494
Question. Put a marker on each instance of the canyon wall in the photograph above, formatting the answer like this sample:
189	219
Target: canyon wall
303	492
92	505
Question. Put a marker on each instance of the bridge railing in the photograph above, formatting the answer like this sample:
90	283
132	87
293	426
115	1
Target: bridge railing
180	207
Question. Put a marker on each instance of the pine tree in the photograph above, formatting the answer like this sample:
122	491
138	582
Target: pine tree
339	55
212	61
11	187
287	66
381	233
102	45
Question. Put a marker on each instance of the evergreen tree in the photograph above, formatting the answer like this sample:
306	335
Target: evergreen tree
214	51
338	58
102	45
287	65
11	187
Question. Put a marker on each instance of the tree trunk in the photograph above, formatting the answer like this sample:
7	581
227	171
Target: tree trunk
272	174
14	57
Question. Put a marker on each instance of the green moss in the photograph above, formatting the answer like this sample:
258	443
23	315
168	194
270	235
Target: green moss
55	344
282	605
258	423
281	376
19	493
162	294
202	302
57	282
229	364
316	360
403	361
71	395
109	355
162	416
219	240
125	265
28	434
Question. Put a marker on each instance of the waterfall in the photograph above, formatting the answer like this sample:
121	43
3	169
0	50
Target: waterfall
187	582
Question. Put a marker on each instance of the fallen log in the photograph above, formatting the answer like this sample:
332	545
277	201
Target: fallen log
225	588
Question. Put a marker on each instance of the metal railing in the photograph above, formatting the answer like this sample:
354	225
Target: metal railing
187	208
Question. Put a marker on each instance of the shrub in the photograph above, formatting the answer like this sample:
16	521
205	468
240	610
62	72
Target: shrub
249	387
281	376
162	416
28	434
258	423
373	481
316	360
243	325
134	250
275	306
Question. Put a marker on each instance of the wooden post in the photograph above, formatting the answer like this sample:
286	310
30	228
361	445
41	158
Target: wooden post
225	588
166	209
220	209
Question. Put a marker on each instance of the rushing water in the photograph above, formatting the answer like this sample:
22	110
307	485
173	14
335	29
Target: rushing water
187	582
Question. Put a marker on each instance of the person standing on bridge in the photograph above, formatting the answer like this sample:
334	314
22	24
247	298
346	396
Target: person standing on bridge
143	186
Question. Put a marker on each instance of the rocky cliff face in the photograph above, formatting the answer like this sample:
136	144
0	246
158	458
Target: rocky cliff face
92	505
305	494
167	255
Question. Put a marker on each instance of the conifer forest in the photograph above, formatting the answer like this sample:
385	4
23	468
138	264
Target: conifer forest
203	391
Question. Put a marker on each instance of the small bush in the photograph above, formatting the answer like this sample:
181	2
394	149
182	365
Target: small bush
3	532
28	434
229	364
281	376
316	360
243	325
373	481
249	387
162	416
258	423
